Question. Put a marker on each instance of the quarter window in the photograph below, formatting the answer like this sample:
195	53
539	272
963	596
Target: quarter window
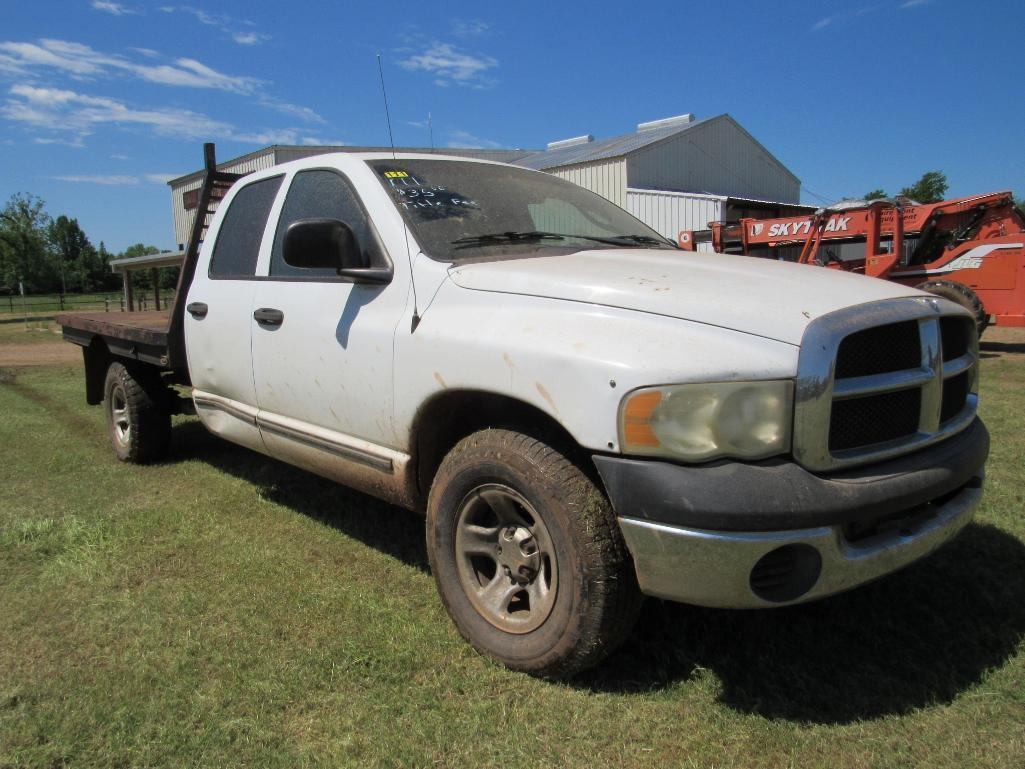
238	241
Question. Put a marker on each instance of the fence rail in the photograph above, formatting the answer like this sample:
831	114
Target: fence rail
101	302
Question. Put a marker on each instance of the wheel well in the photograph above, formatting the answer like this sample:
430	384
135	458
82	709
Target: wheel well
452	415
97	359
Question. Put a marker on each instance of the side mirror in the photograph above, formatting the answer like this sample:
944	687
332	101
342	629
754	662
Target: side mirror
331	243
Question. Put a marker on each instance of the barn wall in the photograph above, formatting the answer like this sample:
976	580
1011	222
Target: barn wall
717	157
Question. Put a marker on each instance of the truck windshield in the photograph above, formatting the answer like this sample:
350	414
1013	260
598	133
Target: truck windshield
466	210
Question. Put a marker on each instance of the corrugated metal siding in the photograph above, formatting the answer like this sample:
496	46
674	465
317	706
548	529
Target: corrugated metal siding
606	178
715	157
603	149
183	219
670	212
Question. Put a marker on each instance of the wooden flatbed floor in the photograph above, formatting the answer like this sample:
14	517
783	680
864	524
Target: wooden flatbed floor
141	335
150	327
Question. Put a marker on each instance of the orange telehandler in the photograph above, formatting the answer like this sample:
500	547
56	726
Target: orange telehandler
970	250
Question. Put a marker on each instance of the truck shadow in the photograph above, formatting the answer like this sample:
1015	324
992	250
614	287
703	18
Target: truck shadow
918	638
996	349
386	528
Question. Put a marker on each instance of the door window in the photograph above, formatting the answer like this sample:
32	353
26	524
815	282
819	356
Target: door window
238	240
322	194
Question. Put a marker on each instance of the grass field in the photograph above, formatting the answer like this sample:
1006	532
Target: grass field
222	609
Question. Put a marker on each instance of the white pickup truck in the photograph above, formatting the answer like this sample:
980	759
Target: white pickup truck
585	413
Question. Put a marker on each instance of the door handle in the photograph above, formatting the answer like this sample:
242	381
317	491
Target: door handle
197	309
268	316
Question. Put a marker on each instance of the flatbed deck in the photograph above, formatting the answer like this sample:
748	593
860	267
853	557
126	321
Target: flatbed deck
139	335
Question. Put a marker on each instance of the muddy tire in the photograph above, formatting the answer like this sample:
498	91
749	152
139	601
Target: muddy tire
528	556
138	420
962	295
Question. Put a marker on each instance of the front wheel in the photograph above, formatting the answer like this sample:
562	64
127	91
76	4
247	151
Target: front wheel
528	557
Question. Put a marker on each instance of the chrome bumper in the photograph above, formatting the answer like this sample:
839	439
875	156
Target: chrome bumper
715	568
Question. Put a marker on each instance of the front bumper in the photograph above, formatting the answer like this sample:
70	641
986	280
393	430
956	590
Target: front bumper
832	533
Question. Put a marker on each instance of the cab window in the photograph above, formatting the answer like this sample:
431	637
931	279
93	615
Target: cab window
322	194
238	240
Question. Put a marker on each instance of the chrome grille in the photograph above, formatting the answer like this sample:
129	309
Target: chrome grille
883	379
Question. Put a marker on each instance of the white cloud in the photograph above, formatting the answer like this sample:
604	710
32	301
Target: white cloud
82	62
78	114
913	3
115	8
194	74
467	141
113	180
316	141
249	38
269	136
448	64
849	14
118	157
161	178
286	108
26	61
239	30
470	28
77	142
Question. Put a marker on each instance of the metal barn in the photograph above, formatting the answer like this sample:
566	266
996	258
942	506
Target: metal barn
678	173
675	174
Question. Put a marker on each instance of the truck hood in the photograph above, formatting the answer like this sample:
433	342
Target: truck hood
764	297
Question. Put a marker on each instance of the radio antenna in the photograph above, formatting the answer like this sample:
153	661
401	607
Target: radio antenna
405	232
387	114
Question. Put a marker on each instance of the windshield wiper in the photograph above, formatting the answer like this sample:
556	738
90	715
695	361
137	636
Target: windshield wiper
533	236
500	238
625	240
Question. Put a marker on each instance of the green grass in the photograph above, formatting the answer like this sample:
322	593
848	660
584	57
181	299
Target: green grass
38	331
222	609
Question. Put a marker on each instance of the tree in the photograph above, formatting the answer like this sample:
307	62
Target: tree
107	279
75	255
25	253
931	188
874	195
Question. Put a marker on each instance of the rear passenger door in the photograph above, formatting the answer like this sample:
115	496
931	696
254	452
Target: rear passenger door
219	316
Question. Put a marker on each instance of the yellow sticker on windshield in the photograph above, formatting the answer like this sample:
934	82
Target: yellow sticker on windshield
395	174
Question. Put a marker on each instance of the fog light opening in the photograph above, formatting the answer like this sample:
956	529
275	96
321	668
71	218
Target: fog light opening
786	573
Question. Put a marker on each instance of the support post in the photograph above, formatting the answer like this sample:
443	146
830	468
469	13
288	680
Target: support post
129	298
156	288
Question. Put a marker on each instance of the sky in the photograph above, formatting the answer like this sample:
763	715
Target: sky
101	102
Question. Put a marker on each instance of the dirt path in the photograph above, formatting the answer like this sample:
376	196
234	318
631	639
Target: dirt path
44	354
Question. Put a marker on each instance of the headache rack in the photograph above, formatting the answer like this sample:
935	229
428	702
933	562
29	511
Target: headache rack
156	337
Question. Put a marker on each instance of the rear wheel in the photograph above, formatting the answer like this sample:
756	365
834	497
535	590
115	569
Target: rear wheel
138	420
962	295
527	555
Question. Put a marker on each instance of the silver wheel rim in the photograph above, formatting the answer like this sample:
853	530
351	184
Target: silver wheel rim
119	421
506	559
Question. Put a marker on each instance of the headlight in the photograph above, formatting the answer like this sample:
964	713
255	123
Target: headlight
697	422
